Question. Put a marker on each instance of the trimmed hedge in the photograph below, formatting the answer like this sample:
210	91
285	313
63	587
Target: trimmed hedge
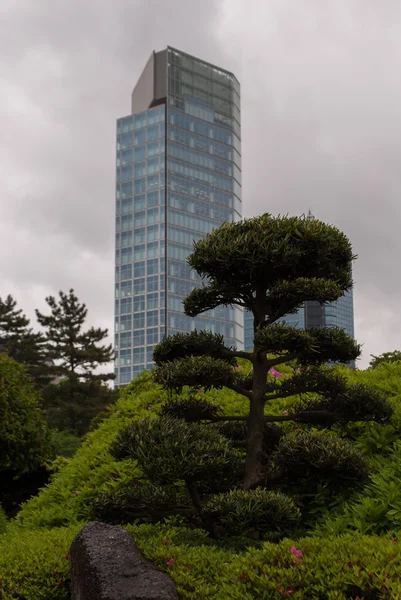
35	566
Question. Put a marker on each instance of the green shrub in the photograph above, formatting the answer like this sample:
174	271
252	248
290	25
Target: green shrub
66	443
92	471
35	565
25	439
3	520
141	501
377	509
340	568
170	450
306	459
259	511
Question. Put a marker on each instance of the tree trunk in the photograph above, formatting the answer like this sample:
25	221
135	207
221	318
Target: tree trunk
196	501
253	464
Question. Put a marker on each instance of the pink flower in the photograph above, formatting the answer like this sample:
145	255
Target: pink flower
149	407
276	373
76	493
285	413
170	562
297	553
237	368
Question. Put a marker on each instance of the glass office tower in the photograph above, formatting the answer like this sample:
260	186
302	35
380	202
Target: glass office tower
178	178
312	314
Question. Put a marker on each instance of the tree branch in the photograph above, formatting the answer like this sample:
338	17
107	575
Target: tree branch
302	416
239	354
281	359
239	390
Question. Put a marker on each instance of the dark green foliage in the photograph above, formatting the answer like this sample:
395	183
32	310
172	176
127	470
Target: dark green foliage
241	512
170	450
191	409
313	347
34	565
3	521
76	354
305	459
357	403
237	432
25	439
195	371
387	357
295	259
196	343
66	443
139	500
317	380
72	406
21	343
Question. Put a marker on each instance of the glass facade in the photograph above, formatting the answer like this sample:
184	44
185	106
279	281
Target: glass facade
178	178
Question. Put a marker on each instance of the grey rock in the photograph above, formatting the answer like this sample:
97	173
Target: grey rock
107	565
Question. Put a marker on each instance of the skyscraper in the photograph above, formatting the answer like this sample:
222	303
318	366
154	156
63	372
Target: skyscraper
312	314
178	178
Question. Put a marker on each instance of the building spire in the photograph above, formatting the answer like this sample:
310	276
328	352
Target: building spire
310	217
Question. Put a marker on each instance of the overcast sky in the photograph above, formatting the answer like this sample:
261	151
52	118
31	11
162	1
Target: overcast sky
321	124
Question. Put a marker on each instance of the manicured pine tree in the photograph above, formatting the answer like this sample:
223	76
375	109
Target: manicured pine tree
270	266
76	354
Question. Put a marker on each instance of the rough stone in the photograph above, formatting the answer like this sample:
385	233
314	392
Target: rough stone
107	565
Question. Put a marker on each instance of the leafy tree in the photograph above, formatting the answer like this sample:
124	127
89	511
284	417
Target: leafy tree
270	266
21	343
26	442
76	354
386	357
73	409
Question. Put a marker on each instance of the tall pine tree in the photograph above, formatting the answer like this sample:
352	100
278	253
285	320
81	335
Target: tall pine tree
76	355
21	343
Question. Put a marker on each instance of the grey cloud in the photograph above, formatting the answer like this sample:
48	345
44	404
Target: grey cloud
321	130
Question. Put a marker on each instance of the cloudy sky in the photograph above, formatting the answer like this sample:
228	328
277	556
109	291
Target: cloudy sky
321	117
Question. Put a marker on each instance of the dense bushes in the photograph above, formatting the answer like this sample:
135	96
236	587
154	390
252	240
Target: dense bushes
31	552
35	566
25	440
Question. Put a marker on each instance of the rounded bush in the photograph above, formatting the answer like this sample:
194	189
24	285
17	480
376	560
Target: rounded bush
243	511
306	459
169	450
148	501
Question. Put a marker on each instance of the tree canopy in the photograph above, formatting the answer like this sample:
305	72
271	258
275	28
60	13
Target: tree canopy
25	439
21	343
76	354
386	357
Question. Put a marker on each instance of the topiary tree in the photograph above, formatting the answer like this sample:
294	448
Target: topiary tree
269	266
